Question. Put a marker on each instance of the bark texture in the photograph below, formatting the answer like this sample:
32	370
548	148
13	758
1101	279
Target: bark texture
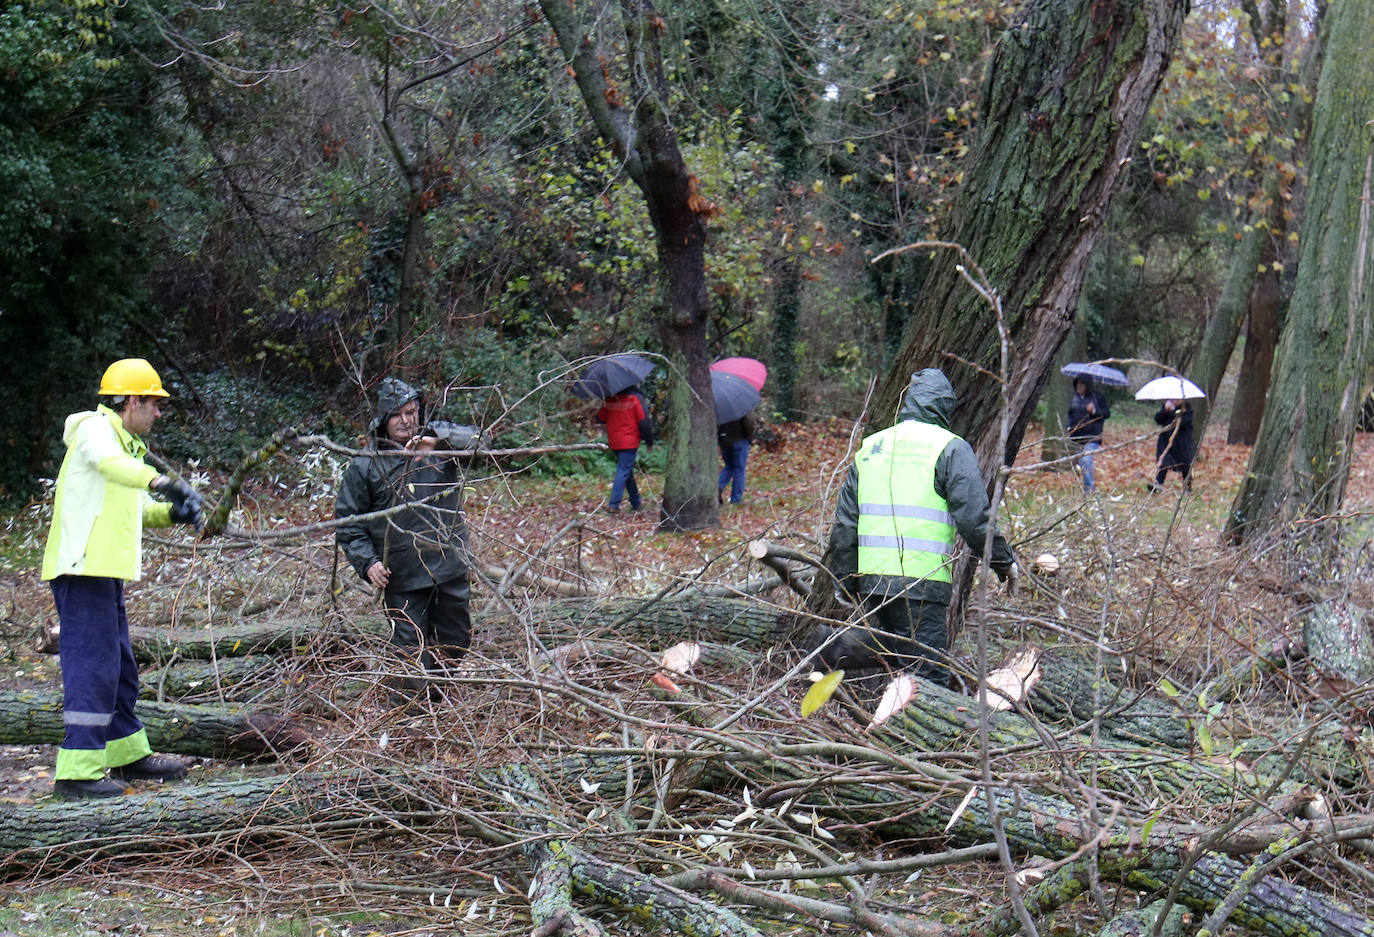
1301	459
1066	92
624	87
34	717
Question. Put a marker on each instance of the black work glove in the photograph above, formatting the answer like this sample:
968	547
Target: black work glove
188	511
187	505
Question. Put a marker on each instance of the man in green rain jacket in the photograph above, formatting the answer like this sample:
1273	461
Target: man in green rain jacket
417	554
94	546
911	488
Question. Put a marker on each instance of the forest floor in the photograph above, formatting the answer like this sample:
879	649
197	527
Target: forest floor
1144	571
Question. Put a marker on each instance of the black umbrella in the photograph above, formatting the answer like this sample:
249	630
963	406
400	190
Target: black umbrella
734	396
608	376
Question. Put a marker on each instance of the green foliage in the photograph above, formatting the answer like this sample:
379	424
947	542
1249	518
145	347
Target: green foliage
235	416
1221	123
82	161
568	248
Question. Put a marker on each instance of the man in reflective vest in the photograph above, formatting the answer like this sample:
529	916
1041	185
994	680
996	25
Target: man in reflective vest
100	508
911	488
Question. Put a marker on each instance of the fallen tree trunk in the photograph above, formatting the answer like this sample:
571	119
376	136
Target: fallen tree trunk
34	717
233	639
562	870
229	813
878	782
668	620
228	679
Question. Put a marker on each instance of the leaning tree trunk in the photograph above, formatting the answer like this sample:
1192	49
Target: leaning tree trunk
1066	92
645	138
1301	460
1257	362
1223	325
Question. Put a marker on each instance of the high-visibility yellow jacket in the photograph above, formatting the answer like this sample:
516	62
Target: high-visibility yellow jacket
949	475
905	527
102	500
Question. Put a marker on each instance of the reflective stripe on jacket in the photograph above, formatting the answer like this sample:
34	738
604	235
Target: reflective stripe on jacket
904	527
102	500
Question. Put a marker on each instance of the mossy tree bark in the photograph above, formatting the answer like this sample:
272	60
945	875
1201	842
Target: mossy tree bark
1301	459
34	717
1066	92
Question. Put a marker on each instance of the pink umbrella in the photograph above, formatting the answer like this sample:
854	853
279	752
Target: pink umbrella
751	369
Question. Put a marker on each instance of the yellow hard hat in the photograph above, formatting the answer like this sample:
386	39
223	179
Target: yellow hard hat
132	377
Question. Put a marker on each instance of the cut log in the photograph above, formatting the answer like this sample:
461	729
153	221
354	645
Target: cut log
34	717
59	834
1142	922
231	639
1071	692
879	782
666	621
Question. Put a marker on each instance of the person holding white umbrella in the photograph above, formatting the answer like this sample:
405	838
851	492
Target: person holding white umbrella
1174	447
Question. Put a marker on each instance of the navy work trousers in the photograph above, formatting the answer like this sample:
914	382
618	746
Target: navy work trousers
99	673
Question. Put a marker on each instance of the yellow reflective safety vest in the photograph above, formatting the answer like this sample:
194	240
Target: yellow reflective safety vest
905	528
102	500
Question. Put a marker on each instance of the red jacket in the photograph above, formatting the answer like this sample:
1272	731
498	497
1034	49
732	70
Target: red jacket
622	414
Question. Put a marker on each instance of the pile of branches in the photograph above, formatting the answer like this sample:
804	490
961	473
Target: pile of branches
579	779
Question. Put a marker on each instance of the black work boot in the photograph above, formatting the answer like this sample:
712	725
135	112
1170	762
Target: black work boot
87	790
151	768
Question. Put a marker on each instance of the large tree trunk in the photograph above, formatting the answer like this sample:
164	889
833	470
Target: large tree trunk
1301	460
1223	326
1066	92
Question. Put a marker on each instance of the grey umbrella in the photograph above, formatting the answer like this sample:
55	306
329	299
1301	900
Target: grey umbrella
734	396
608	376
1097	373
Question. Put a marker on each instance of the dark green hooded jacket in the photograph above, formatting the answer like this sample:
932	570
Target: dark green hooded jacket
929	399
421	545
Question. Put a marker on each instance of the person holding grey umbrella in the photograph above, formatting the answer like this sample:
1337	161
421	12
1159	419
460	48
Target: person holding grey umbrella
1088	410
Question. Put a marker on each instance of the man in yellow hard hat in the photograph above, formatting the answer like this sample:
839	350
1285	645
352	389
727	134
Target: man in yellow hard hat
94	545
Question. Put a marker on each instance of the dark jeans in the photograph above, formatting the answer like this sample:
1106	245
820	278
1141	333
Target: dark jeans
624	481
735	456
898	633
434	618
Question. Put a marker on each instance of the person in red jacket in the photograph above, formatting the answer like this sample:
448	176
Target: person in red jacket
627	425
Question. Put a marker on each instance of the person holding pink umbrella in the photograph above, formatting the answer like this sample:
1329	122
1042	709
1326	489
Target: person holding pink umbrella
735	434
734	439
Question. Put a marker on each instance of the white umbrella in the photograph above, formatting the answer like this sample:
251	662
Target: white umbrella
1170	387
